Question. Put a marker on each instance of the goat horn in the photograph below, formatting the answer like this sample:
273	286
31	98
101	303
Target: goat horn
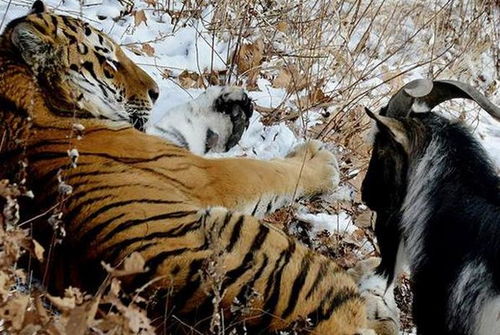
431	94
400	103
450	89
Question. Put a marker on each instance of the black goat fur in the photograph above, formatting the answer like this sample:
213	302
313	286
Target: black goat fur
453	245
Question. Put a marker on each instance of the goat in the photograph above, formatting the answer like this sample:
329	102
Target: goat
437	199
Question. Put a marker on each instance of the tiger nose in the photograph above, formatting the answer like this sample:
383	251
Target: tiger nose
154	94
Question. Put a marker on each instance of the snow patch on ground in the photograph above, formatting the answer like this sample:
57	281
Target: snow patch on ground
340	223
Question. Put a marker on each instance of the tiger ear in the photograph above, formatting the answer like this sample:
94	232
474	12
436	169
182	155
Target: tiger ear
392	126
37	49
38	7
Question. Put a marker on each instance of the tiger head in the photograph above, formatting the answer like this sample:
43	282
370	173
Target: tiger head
81	70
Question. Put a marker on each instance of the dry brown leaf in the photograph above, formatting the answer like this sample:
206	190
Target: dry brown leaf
8	190
133	264
38	250
364	219
148	49
41	312
81	317
347	261
20	275
213	78
139	17
139	322
283	79
356	238
150	2
5	283
28	244
166	74
77	322
282	26
250	56
63	304
316	98
115	287
30	329
189	79
13	312
291	79
72	298
131	316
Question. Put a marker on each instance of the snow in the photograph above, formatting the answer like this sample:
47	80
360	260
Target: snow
264	142
340	223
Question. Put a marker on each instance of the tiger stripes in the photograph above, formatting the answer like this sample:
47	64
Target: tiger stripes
133	192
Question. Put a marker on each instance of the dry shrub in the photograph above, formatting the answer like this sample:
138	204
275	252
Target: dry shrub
27	309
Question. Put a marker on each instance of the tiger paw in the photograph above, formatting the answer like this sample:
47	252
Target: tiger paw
381	309
320	168
232	100
235	103
212	122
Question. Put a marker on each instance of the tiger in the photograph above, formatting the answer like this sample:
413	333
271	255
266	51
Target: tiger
74	110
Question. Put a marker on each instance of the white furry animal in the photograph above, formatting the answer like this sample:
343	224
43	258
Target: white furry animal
206	123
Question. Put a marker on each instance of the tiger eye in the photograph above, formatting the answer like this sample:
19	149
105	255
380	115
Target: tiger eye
108	74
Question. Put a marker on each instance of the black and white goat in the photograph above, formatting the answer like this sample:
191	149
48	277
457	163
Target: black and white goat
437	198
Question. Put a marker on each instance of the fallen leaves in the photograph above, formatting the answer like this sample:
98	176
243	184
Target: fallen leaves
248	59
188	79
133	264
148	49
14	310
25	310
289	77
140	17
249	56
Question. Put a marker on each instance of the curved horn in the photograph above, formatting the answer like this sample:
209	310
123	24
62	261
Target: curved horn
433	93
400	103
450	89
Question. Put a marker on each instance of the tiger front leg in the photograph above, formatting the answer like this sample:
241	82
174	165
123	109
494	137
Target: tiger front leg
260	187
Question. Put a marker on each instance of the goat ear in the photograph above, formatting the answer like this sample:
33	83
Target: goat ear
392	126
